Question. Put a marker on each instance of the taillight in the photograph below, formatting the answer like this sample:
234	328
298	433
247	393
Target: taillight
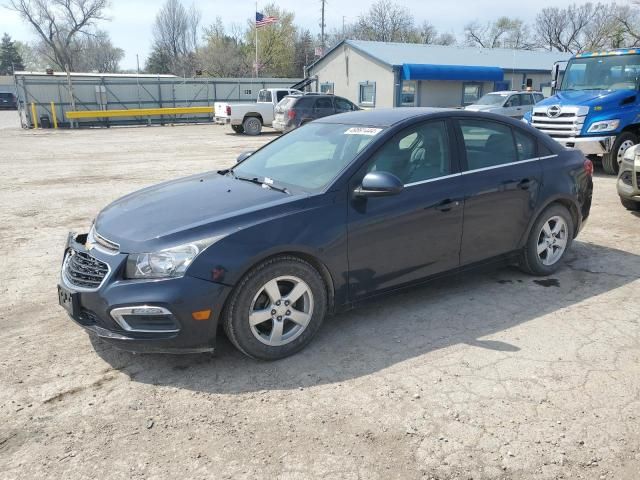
291	114
229	110
588	167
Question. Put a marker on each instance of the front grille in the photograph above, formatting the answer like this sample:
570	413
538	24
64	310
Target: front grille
82	270
626	178
567	124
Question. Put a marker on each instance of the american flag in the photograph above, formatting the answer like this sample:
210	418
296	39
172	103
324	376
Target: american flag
264	20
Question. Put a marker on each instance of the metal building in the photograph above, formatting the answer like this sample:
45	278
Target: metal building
51	96
381	74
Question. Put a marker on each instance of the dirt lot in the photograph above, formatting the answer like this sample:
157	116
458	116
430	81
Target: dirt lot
488	376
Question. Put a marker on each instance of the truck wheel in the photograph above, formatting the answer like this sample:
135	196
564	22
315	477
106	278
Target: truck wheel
611	161
237	128
252	126
630	204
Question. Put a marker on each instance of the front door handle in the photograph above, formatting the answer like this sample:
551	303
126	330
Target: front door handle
447	205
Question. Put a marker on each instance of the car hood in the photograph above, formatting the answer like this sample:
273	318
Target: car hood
587	97
184	210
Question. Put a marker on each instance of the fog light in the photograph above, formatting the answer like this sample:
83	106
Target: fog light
146	319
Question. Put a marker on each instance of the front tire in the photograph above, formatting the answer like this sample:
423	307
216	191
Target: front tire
611	161
630	204
548	242
252	126
276	309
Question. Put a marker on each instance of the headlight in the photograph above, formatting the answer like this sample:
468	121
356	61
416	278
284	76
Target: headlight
604	126
168	263
632	154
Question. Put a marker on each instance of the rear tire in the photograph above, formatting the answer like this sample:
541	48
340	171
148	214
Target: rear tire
630	204
549	240
252	126
237	128
276	309
611	161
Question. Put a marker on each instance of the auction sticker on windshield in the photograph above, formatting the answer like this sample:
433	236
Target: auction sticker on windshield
363	131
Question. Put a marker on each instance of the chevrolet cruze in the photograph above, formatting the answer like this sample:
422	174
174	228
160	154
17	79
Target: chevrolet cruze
336	212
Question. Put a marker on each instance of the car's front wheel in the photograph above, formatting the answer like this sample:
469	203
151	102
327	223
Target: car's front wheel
276	309
548	241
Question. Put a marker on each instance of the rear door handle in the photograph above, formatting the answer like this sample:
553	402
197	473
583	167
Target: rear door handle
524	184
447	205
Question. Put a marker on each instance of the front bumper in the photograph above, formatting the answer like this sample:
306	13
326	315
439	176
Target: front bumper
180	296
589	145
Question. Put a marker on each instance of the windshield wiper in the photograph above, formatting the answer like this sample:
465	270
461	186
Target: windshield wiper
262	183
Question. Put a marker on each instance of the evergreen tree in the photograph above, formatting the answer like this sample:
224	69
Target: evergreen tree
10	59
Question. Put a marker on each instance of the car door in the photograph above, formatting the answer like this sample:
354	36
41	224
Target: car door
323	107
526	101
512	106
398	239
501	181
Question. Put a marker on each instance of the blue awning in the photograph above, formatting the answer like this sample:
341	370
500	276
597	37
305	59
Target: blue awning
414	71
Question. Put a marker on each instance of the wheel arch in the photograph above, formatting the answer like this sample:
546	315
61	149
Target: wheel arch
253	115
308	257
567	202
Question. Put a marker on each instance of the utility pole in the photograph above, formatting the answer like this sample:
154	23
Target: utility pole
322	25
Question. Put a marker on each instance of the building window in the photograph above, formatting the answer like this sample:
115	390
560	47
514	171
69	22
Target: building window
326	87
247	92
367	94
408	95
471	93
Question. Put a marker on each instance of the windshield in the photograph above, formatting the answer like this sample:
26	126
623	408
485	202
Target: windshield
492	99
309	157
620	72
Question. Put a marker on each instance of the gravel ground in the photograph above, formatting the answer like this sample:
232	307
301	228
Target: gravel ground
490	375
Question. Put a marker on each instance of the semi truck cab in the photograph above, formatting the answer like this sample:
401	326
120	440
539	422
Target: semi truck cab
596	106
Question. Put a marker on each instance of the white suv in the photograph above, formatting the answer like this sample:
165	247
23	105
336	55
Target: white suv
509	103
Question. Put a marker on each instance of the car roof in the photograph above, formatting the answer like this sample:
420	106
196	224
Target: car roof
382	117
511	92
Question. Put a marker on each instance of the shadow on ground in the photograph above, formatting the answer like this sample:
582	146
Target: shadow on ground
458	310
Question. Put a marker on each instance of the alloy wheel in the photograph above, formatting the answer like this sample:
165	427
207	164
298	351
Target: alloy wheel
281	311
552	240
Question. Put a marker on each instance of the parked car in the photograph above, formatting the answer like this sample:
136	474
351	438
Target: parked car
629	179
336	212
8	101
249	118
296	110
511	103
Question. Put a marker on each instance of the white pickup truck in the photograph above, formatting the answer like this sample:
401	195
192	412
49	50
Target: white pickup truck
249	118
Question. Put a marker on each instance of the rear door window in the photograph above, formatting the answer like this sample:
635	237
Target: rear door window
525	99
487	143
525	144
264	96
281	94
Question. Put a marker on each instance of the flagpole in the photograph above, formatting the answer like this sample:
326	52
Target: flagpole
255	22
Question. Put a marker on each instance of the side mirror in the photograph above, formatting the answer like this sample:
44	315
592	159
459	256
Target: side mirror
379	184
554	84
243	156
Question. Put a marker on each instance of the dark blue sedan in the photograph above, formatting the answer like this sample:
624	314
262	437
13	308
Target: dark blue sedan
334	213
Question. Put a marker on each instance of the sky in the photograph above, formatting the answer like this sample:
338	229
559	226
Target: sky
131	20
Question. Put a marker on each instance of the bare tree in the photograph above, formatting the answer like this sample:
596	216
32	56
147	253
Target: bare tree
504	32
175	34
567	29
98	54
386	21
60	23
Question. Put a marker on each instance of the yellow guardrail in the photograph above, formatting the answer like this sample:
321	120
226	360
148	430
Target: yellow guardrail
137	112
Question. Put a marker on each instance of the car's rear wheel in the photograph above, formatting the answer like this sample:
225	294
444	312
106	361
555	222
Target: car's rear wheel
630	204
548	241
252	126
237	128
611	161
276	309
